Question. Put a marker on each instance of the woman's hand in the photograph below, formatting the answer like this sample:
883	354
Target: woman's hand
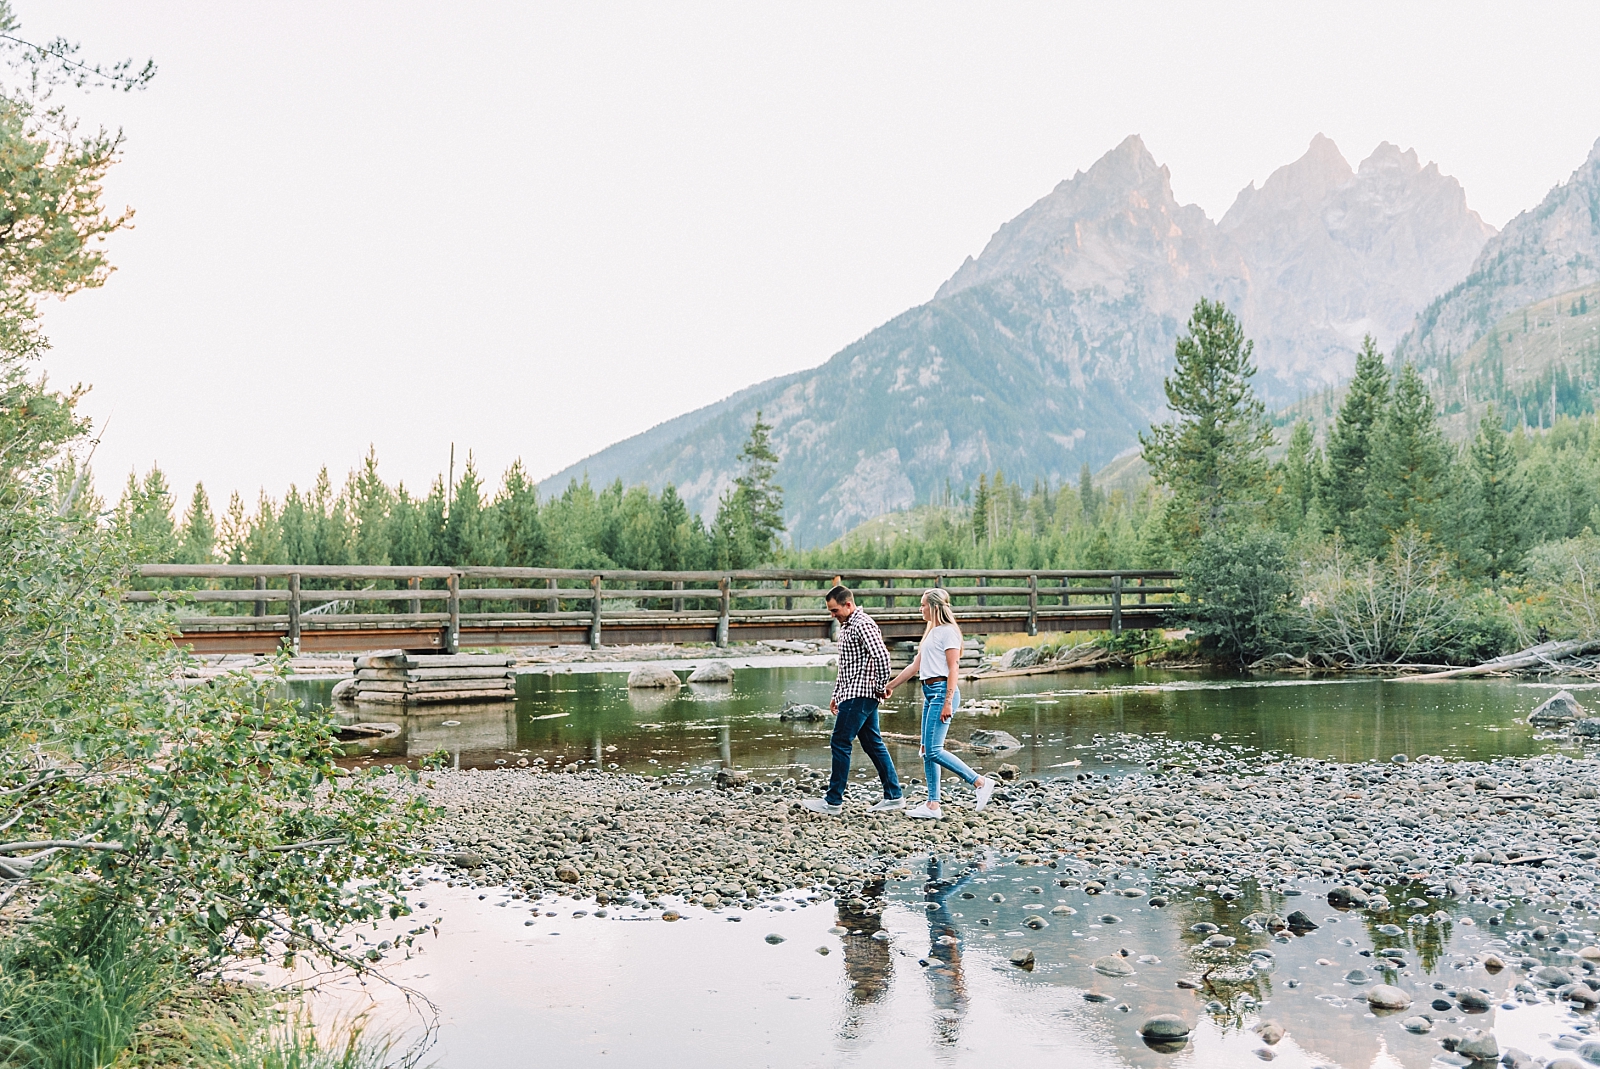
945	712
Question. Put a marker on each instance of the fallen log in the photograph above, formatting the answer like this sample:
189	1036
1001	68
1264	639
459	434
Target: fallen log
1544	654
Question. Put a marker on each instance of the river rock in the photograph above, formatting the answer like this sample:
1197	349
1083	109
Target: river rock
1022	958
728	778
567	874
1112	965
712	672
1386	997
774	938
1587	728
1474	1001
1270	1032
801	711
1476	1044
1164	1026
1559	708
1589	1051
1579	994
1551	976
1590	953
648	676
1299	922
1347	896
1418	1024
344	690
994	742
1021	657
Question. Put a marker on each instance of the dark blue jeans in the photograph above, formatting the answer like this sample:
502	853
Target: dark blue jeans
858	719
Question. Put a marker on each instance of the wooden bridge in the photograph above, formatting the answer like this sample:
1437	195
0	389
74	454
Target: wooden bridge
338	608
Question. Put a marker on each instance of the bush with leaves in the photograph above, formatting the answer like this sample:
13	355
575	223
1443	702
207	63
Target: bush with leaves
1239	597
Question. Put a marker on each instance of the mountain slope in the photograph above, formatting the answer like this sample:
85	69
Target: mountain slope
1551	249
1048	350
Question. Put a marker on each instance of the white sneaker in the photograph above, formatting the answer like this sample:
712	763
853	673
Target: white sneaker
922	812
820	805
985	792
888	804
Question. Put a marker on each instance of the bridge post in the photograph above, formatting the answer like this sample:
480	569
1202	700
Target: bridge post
261	606
555	603
594	614
983	580
788	603
725	585
677	603
1116	604
415	604
452	638
888	599
1033	604
294	613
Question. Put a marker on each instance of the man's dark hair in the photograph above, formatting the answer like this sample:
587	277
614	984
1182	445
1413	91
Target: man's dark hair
839	595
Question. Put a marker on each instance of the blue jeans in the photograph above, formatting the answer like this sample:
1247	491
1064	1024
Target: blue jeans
934	730
858	718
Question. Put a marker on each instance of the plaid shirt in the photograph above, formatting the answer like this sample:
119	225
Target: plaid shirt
863	659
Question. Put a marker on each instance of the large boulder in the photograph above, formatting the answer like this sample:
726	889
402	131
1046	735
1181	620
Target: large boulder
803	711
653	676
1560	708
712	672
993	742
1021	657
1587	728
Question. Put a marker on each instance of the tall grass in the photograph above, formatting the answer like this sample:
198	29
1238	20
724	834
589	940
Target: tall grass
74	992
293	1044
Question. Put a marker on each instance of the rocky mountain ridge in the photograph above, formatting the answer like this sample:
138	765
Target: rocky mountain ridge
1048	349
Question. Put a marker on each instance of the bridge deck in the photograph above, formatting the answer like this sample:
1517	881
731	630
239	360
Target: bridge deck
1029	601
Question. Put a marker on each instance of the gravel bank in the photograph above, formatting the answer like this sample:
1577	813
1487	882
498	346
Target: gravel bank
1479	829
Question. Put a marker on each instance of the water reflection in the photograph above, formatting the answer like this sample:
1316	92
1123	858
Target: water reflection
946	977
696	729
868	961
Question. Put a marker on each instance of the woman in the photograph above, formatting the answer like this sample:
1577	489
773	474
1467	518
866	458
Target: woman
937	664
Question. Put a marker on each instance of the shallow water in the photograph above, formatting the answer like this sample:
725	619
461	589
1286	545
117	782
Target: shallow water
595	720
929	981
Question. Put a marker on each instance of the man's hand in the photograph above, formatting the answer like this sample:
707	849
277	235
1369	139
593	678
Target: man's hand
833	707
888	692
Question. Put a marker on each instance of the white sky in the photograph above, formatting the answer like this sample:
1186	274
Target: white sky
535	229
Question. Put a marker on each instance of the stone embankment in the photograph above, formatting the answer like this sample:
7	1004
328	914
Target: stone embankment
1480	829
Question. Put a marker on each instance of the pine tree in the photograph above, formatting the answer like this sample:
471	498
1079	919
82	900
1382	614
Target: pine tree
750	515
518	529
1088	496
332	538
369	502
1409	468
1502	497
1300	474
466	539
434	512
980	511
198	541
145	513
1212	457
264	543
406	531
1342	492
233	531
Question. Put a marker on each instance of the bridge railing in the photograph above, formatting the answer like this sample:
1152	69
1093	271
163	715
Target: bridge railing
563	601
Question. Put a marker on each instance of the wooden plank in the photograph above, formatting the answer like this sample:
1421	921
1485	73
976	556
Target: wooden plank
392	686
325	571
415	674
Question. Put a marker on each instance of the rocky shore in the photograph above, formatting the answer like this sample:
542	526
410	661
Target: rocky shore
1480	830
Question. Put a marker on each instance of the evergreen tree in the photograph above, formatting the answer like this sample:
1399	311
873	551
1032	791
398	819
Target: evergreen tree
234	531
750	515
1342	492
145	512
435	511
1299	475
1212	457
1502	498
1088	496
369	502
466	537
297	529
198	540
980	511
518	529
1409	467
406	531
332	538
264	542
684	545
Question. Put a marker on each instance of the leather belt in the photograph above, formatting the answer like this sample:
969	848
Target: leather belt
936	679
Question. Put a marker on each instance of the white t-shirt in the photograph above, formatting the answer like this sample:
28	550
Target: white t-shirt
934	643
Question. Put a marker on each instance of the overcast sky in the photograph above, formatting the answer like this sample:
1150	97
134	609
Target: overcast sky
535	229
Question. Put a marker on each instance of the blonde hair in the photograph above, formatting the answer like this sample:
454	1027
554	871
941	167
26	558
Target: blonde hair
938	601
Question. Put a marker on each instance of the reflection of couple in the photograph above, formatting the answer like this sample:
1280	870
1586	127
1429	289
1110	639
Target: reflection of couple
864	680
869	964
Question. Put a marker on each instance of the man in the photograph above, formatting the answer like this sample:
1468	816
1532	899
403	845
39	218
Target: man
863	671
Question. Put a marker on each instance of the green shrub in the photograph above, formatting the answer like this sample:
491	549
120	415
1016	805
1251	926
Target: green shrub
1239	595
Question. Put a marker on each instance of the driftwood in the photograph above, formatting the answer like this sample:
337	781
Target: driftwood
1544	655
1091	656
